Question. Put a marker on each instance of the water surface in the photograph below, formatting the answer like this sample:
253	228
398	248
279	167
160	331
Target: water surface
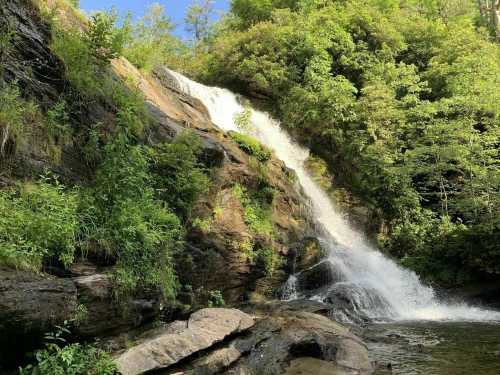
435	348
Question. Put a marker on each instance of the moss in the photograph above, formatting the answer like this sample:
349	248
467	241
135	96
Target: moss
251	146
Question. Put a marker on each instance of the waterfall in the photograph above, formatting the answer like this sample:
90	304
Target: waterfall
371	278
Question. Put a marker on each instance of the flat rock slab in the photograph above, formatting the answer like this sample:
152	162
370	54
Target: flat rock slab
204	328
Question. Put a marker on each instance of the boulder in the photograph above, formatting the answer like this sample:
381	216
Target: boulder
103	314
204	328
352	302
31	304
282	341
321	275
304	335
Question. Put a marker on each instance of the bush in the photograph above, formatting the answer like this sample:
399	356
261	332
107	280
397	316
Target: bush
269	260
179	178
257	213
122	216
39	224
251	146
72	359
14	114
87	54
104	41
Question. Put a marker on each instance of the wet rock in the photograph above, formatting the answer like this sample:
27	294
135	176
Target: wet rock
30	61
321	275
204	328
352	302
305	254
309	365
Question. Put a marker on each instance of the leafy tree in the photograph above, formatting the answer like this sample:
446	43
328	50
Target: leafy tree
104	41
400	98
150	41
197	19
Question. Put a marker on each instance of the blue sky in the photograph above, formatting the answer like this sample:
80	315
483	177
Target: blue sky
176	9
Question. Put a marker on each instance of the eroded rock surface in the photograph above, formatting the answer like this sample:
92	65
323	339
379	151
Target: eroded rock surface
282	341
204	328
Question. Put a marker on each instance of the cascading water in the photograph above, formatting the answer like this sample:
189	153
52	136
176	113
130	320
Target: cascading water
371	278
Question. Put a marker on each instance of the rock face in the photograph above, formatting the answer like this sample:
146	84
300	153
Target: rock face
278	343
203	329
103	315
214	260
29	305
222	246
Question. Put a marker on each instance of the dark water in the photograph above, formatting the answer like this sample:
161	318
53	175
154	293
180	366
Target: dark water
430	348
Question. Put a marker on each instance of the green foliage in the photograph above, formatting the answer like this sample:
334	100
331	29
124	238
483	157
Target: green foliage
205	225
104	41
87	54
122	216
150	42
215	299
256	211
60	358
399	97
269	260
243	120
197	19
15	113
251	146
179	177
58	125
41	224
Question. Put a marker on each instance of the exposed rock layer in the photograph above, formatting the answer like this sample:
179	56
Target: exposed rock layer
277	344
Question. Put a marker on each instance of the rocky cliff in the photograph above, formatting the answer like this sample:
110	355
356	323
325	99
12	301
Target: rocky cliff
220	257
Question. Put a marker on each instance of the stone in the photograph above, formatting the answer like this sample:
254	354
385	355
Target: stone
283	342
318	276
31	304
300	335
103	314
204	328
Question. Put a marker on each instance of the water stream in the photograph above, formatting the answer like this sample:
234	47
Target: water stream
379	287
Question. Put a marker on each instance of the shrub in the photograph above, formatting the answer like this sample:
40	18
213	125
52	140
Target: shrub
39	223
251	146
257	213
86	54
269	260
179	178
123	217
215	299
57	358
243	120
58	125
14	114
104	41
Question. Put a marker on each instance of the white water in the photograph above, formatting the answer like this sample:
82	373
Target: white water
350	253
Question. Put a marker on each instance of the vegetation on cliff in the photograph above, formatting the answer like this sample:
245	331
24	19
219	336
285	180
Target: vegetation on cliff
400	98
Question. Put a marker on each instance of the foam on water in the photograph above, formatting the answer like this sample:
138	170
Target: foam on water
348	249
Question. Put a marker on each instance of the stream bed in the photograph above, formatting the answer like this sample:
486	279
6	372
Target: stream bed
435	348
